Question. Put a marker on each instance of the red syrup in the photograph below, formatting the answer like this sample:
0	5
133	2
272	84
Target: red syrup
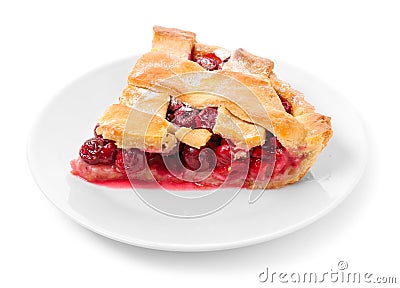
126	184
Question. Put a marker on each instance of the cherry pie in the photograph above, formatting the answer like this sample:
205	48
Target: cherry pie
201	114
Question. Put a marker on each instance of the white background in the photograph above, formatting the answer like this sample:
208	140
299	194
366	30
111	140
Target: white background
47	44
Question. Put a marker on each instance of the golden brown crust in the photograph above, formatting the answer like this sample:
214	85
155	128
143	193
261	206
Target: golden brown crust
145	100
174	41
294	97
245	62
319	129
246	92
130	128
318	126
129	95
199	50
154	67
193	137
243	134
247	96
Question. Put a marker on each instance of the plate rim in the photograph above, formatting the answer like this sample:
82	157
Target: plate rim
189	247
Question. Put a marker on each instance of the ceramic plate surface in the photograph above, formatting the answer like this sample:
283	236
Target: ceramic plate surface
121	215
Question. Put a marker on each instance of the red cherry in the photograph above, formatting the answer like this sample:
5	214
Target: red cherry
206	118
130	160
98	151
280	161
108	153
119	161
255	164
185	117
207	159
256	152
174	104
90	150
190	158
286	104
214	141
209	61
134	160
195	159
224	154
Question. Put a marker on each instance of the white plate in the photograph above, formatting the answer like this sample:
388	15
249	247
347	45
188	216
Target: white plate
119	213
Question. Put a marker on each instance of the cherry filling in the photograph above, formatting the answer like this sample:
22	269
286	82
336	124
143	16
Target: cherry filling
286	104
210	62
184	116
206	118
261	163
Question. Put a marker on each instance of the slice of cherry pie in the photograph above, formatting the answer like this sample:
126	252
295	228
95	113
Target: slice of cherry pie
196	113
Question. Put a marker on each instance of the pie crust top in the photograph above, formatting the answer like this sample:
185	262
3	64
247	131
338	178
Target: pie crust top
244	89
